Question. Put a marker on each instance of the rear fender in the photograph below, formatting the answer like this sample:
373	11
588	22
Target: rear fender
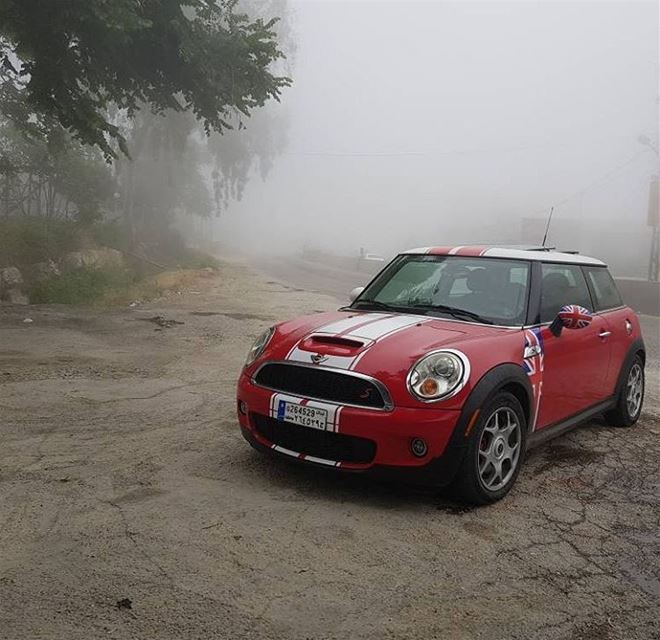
636	347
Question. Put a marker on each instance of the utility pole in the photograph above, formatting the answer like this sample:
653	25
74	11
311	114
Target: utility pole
654	223
653	216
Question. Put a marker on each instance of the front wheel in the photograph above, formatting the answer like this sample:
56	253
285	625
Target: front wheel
631	397
495	452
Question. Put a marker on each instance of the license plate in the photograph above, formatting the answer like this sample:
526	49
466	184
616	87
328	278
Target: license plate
302	415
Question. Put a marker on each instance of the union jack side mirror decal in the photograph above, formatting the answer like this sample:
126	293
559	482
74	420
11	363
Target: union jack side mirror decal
573	316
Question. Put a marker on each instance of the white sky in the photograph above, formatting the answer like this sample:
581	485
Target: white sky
416	123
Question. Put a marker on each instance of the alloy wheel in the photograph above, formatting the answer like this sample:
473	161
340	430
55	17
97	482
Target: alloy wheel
499	449
634	390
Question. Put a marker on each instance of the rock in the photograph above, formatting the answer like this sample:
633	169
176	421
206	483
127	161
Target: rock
10	277
16	296
103	257
73	260
45	271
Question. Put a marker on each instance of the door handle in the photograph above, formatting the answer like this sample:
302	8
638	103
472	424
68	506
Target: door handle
604	334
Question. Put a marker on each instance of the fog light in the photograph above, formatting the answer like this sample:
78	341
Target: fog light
419	447
242	407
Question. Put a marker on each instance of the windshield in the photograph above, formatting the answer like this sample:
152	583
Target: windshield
488	290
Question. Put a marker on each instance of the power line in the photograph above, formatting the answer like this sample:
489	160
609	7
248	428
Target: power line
594	183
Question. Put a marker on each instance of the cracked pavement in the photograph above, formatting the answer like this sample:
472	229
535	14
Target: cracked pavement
123	475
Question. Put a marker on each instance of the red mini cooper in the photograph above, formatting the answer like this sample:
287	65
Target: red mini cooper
447	367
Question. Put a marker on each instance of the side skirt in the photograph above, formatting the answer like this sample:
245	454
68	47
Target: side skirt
548	433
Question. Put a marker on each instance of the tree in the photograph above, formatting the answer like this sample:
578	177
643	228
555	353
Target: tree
56	177
70	62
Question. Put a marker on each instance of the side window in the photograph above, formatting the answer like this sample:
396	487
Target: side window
604	289
562	284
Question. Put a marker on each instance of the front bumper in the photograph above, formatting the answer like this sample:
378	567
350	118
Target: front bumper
391	432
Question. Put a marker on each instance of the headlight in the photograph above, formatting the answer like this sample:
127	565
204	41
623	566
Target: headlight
259	345
439	375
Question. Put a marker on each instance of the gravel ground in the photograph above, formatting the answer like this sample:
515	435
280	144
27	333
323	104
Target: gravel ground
130	506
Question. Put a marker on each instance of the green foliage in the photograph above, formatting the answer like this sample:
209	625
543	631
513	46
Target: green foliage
82	286
24	241
54	177
108	233
68	63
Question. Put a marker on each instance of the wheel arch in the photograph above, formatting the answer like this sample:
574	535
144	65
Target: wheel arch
637	348
509	377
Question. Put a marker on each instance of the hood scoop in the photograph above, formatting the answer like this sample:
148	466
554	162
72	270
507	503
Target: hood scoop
332	345
337	340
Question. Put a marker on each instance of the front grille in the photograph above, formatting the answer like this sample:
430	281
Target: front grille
338	447
321	384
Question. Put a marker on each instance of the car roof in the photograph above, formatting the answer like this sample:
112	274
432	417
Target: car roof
539	254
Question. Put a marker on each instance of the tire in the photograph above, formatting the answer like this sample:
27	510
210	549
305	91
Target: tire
476	480
629	407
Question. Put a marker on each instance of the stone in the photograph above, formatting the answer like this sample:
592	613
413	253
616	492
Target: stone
10	277
97	258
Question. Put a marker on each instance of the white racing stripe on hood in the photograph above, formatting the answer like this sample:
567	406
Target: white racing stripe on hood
339	326
378	326
401	327
382	328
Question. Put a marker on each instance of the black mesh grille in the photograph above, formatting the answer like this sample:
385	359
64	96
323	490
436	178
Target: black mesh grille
322	384
314	442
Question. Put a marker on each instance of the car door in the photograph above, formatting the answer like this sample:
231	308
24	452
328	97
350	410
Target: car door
575	363
619	319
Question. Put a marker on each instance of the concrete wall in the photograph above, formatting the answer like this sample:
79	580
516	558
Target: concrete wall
643	296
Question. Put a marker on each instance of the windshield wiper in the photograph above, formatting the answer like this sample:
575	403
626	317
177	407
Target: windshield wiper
452	311
377	305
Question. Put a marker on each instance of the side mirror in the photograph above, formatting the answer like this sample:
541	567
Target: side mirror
355	293
572	316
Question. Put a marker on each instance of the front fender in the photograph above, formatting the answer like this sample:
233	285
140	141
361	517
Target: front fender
503	375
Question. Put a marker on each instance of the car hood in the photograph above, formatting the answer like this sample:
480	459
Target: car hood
378	344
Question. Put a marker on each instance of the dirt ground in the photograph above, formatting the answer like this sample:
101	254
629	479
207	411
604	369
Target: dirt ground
131	507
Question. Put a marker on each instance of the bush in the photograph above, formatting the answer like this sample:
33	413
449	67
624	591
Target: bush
26	240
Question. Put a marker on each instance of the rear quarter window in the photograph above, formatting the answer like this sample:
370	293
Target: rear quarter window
603	287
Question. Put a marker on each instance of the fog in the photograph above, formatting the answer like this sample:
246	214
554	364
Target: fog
421	123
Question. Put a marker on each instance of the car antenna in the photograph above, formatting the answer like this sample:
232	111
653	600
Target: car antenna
547	227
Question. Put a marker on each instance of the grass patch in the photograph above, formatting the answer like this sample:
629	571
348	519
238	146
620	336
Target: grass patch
83	286
196	259
113	287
